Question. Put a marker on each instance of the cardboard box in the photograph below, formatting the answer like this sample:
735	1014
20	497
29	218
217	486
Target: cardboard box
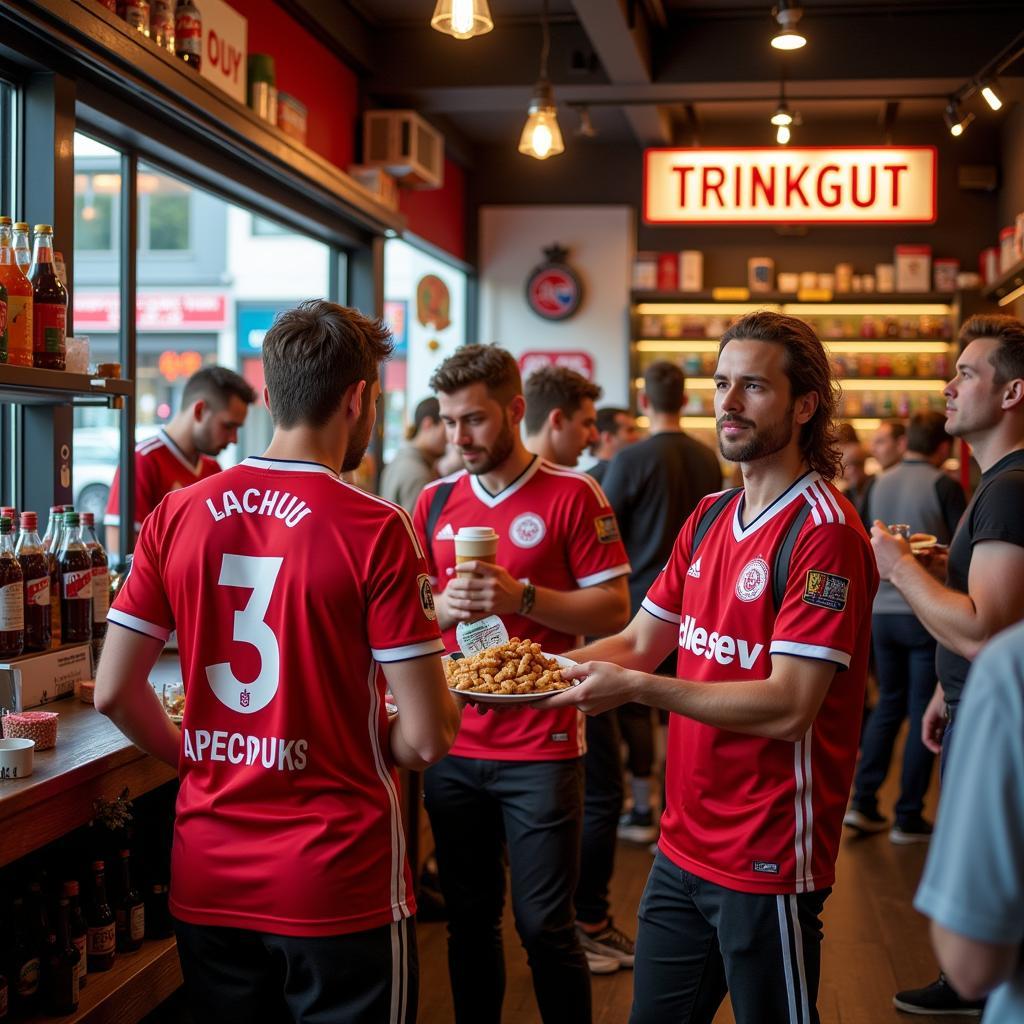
913	268
691	270
36	679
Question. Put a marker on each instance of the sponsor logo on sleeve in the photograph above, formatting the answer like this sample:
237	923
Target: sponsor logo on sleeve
824	590
607	528
752	580
426	596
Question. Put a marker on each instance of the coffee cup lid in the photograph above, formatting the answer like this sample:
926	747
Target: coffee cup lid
476	532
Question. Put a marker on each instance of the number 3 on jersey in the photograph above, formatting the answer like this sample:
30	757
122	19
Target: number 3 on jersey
258	575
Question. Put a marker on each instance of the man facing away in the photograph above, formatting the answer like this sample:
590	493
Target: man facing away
214	406
984	591
772	639
616	429
512	785
414	464
297	600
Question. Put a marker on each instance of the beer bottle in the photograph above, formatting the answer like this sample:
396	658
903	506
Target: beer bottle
49	305
22	246
78	928
25	968
3	323
159	924
35	569
188	33
100	937
12	595
100	582
74	564
131	911
161	24
19	300
60	981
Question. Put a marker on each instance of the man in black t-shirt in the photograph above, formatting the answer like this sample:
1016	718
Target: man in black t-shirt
616	429
984	590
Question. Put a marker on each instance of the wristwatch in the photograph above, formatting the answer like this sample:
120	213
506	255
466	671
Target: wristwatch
529	596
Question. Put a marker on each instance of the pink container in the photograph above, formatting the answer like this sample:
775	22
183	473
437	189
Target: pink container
40	726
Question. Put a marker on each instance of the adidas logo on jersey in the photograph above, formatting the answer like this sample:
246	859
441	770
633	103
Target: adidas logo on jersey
445	533
694	570
720	646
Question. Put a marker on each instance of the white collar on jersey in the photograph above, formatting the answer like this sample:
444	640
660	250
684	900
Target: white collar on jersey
810	486
287	465
493	500
168	443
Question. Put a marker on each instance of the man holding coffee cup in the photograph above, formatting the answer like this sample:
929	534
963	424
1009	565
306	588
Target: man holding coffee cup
552	567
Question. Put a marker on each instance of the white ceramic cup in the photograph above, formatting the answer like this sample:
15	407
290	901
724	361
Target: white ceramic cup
16	758
475	543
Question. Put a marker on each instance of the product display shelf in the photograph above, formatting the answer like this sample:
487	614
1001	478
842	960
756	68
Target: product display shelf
762	299
1005	284
28	385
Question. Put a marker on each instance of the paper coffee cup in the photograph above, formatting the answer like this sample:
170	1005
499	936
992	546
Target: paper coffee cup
475	543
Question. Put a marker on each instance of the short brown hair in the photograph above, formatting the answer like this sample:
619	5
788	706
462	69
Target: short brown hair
313	353
808	370
215	385
846	433
480	364
926	432
555	387
608	419
897	428
664	385
1008	359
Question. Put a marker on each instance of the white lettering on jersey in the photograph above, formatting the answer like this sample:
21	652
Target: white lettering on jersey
271	751
272	503
720	646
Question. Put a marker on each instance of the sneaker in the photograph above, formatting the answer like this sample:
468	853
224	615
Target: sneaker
865	820
608	943
638	826
939	999
910	831
598	964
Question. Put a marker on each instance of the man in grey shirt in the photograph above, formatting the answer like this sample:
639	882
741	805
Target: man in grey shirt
413	466
973	884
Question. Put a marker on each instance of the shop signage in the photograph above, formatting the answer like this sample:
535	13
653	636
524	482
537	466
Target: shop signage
154	311
553	289
811	185
225	36
581	362
251	325
396	316
433	302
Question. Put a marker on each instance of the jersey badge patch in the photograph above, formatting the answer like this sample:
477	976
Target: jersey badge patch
752	580
823	590
426	596
607	529
527	530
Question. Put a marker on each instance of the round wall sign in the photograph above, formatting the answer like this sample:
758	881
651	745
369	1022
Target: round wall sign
553	289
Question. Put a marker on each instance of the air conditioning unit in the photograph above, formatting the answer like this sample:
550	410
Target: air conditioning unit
406	147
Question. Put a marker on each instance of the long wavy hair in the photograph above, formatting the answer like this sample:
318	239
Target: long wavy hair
808	369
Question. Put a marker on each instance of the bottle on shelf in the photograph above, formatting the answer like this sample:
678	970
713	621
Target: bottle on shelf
60	974
24	967
35	570
12	513
159	924
101	933
51	545
100	582
161	24
3	323
19	300
78	928
49	305
131	911
188	33
12	595
22	246
75	569
136	13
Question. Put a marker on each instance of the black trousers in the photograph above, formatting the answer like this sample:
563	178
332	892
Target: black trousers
637	726
479	811
698	940
601	809
233	976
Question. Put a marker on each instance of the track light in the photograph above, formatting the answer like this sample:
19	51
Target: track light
789	37
462	19
782	136
988	90
956	120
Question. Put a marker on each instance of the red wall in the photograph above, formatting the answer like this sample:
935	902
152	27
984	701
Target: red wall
439	215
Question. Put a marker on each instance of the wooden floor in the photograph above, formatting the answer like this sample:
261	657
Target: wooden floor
875	943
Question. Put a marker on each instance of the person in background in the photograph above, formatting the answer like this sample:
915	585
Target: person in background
654	486
560	414
913	491
291	893
414	464
889	443
616	429
973	882
214	406
511	790
984	591
856	482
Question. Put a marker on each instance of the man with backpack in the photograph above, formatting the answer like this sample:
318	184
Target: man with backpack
767	595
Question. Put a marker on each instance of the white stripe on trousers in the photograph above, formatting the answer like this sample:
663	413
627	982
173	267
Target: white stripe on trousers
399	970
789	928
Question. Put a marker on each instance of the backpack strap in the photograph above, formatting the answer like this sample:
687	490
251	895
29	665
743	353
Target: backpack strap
784	554
711	513
438	501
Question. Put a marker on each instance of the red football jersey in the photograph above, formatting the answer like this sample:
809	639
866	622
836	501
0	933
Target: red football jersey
754	814
160	467
287	588
556	529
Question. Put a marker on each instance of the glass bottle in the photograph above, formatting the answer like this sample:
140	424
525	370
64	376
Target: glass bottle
35	570
100	582
19	300
22	246
3	323
61	971
78	928
131	911
51	544
49	305
12	513
188	33
12	595
75	569
161	24
136	13
24	961
158	914
100	939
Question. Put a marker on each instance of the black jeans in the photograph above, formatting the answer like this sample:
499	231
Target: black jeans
905	666
637	727
698	940
532	810
234	976
601	809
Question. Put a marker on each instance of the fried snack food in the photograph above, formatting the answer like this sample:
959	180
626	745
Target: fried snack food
515	667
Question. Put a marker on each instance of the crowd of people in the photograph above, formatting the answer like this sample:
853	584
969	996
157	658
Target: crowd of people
312	617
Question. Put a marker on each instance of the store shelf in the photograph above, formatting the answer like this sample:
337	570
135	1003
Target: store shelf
28	385
1011	281
848	383
760	299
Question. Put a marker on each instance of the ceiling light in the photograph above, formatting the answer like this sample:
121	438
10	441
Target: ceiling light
541	135
988	90
789	37
782	116
782	136
586	129
462	19
956	120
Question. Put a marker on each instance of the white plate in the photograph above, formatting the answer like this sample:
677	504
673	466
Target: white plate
515	698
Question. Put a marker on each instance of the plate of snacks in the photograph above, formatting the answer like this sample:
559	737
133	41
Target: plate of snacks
517	672
922	542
